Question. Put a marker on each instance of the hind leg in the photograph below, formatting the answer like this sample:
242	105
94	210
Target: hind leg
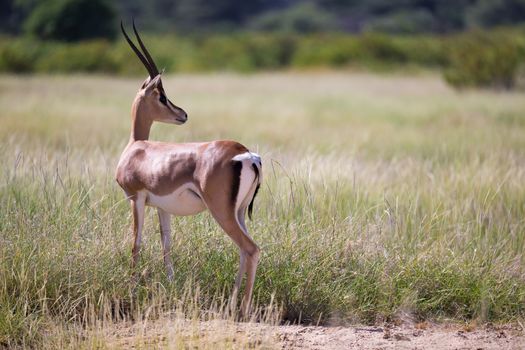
227	192
248	263
240	274
249	252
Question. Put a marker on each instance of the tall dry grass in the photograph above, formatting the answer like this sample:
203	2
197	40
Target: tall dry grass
384	197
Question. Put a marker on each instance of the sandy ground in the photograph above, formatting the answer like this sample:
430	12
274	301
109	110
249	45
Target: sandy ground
419	336
231	335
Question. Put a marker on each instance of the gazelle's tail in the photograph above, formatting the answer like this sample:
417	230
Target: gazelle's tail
257	167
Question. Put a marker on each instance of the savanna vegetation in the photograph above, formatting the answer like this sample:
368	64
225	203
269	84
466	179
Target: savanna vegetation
388	195
473	42
385	197
485	59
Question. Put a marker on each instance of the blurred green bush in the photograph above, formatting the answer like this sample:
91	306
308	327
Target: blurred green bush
19	56
480	59
90	56
484	59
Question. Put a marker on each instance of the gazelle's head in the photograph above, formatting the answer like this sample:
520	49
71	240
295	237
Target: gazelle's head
151	102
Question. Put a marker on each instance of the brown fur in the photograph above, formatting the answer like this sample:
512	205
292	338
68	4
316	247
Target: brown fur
182	163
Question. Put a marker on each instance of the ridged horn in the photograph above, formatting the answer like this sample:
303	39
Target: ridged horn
139	54
146	52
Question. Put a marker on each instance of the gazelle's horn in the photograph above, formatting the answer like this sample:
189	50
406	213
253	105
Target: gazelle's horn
146	53
139	54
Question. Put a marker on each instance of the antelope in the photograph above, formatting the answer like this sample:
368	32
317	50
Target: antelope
186	178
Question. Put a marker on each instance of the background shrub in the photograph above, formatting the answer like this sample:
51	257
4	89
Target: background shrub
379	47
19	56
224	52
269	51
482	59
422	50
327	50
479	59
91	56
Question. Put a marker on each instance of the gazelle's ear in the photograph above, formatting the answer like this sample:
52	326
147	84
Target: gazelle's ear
145	83
150	85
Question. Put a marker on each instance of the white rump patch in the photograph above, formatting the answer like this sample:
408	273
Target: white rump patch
247	155
253	158
247	184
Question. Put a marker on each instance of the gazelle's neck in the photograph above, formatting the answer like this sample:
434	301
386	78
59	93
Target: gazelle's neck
140	122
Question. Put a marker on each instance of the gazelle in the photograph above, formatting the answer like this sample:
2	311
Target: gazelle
186	178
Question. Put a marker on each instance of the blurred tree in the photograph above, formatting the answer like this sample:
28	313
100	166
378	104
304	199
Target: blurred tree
144	13
403	22
56	18
401	16
490	13
300	18
229	14
71	20
450	14
11	16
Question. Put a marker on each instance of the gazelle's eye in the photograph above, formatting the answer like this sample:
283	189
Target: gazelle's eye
162	99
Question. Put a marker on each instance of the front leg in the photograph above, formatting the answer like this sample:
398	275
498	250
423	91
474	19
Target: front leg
137	207
165	236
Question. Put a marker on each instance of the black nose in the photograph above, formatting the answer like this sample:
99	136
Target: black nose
182	117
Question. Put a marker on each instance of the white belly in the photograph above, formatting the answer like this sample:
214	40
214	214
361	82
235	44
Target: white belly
182	201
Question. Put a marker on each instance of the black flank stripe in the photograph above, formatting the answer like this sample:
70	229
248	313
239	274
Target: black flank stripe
237	168
250	207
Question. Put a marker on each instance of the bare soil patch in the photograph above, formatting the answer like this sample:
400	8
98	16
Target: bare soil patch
233	335
418	336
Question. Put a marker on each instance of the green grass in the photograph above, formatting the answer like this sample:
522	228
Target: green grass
384	196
